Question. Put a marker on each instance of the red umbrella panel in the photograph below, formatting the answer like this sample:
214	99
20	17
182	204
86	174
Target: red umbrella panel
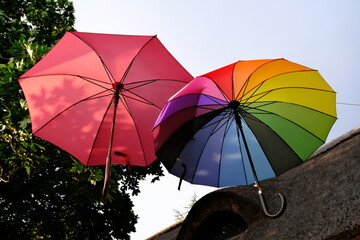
88	82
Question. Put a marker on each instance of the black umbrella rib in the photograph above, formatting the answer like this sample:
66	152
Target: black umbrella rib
202	150
98	130
240	149
219	88
263	94
140	99
95	96
247	108
123	101
149	81
224	115
227	116
111	78
267	112
248	79
146	101
257	88
213	99
139	84
94	81
132	61
88	79
228	124
260	143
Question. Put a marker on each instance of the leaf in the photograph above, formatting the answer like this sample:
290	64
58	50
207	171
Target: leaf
24	123
27	168
23	104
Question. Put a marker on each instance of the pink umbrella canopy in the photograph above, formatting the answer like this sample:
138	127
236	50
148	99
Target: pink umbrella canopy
88	82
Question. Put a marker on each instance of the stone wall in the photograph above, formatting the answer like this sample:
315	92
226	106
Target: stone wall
323	199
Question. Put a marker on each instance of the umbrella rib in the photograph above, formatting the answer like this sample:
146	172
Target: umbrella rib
217	122
267	157
241	150
72	105
202	150
222	145
124	103
266	154
274	102
149	81
227	129
143	83
88	79
111	78
248	79
133	59
139	99
93	81
213	99
267	112
243	103
263	94
219	127
98	130
107	70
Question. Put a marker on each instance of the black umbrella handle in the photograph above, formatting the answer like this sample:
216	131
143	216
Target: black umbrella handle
234	106
182	175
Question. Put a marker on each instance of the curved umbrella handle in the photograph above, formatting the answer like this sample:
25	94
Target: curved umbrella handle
264	206
234	105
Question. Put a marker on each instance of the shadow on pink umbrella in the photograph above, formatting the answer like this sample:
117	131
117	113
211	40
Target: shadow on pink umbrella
97	96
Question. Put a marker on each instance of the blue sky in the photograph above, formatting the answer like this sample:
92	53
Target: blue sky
207	34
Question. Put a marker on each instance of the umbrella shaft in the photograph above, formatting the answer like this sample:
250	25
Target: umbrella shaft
116	101
108	158
239	124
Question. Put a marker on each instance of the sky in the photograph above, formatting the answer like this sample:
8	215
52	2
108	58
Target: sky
204	35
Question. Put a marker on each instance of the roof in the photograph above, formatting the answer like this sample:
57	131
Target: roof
323	199
170	232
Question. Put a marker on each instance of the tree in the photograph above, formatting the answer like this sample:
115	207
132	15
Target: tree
44	192
181	215
43	20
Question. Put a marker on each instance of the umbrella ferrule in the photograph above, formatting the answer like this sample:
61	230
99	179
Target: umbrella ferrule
234	104
118	86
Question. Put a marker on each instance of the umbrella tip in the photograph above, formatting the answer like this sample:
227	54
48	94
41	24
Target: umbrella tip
118	86
234	104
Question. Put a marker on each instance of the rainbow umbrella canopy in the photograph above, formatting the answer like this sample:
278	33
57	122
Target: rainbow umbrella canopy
245	122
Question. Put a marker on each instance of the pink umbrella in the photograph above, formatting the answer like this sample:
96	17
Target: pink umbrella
97	96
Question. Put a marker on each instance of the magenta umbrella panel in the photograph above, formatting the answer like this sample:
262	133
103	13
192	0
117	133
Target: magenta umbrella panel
97	96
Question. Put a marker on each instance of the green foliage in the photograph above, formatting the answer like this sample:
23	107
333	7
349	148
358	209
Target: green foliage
181	215
44	192
43	20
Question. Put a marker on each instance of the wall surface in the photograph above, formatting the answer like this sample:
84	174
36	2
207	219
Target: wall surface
323	199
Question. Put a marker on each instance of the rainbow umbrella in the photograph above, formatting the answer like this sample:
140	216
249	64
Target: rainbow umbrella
245	122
